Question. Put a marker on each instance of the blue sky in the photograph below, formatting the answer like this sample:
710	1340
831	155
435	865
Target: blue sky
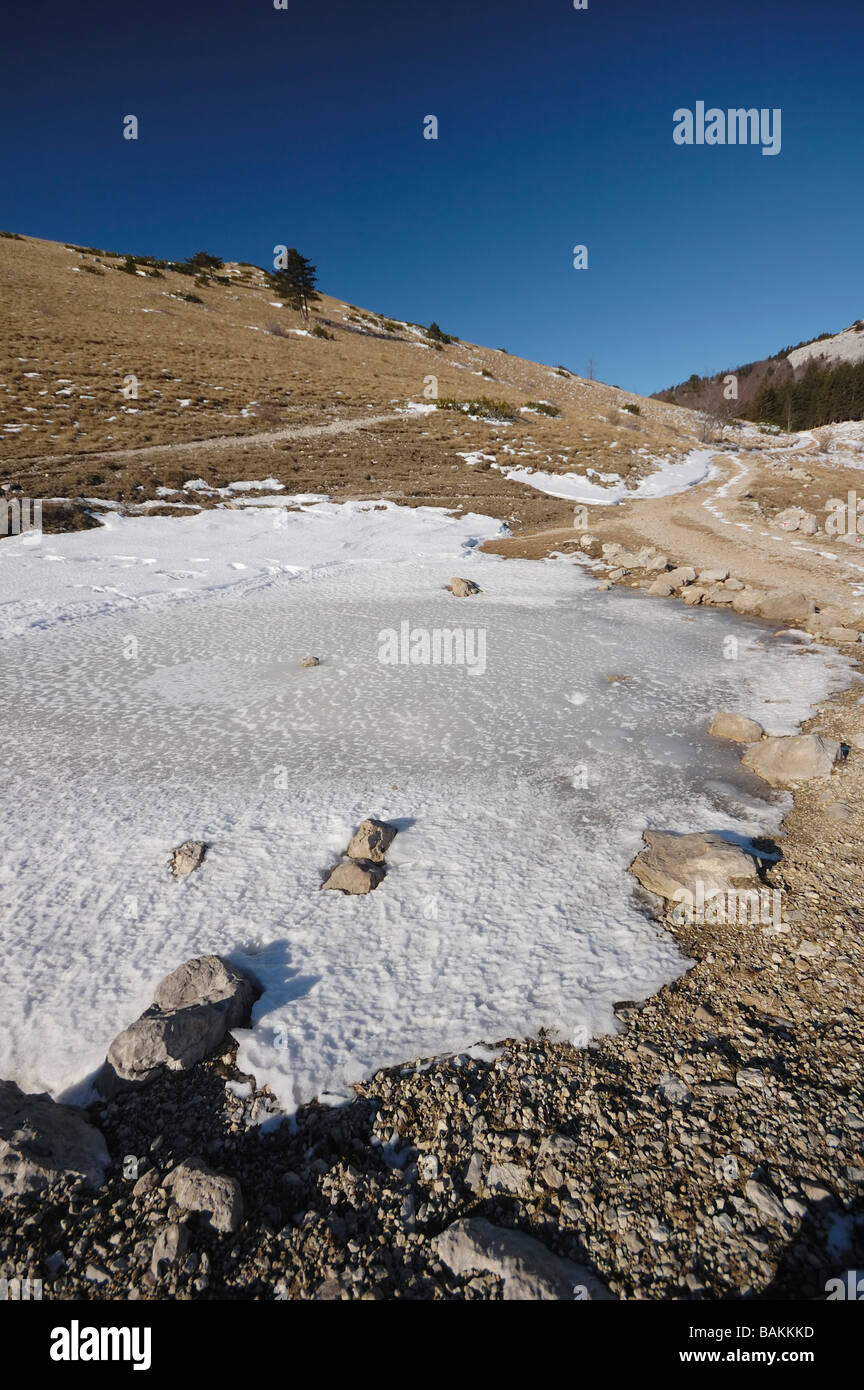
304	126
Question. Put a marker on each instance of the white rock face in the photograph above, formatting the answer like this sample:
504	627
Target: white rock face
528	1270
782	761
672	863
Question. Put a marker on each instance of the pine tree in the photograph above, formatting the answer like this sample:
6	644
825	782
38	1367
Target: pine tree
295	282
202	261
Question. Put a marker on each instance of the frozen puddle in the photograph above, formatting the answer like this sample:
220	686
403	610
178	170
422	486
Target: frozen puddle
159	710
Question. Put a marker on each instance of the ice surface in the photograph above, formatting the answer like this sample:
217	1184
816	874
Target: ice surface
152	694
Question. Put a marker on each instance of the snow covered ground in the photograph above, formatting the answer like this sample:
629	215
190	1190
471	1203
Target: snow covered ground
152	693
671	476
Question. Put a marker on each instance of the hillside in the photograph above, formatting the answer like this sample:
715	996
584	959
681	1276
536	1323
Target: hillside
818	382
251	387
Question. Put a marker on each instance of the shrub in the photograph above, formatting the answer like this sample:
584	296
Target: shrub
487	374
434	332
129	265
632	408
191	299
543	408
562	371
318	331
12	236
91	268
484	406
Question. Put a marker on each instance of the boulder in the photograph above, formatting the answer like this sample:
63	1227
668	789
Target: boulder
310	661
789	519
463	588
215	1197
736	727
186	857
371	841
352	877
42	1141
683	574
717	593
713	576
672	863
693	594
193	1009
528	1270
748	600
661	587
787	608
843	634
795	758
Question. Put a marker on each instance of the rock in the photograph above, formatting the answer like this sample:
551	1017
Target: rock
795	758
463	588
659	562
617	574
693	595
736	727
528	1270
661	587
765	1201
41	1141
371	841
193	1009
713	576
675	862
215	1197
808	525
351	877
789	519
605	584
843	634
787	608
684	574
310	661
716	593
186	857
509	1178
748	600
169	1246
146	1183
734	584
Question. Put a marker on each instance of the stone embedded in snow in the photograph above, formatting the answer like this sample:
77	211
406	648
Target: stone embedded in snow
787	608
186	857
310	661
216	1197
528	1270
352	877
193	1009
463	588
795	758
41	1141
736	727
672	863
371	841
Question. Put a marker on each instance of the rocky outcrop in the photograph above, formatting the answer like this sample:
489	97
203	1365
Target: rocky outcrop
193	1010
41	1141
528	1271
671	864
781	762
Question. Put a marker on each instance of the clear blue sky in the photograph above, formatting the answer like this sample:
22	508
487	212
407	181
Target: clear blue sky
261	126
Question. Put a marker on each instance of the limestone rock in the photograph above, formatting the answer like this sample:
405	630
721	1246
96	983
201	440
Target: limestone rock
693	594
463	588
41	1141
736	727
169	1246
661	587
216	1197
371	841
787	608
310	661
795	758
713	576
529	1271
186	857
351	877
671	863
683	574
193	1009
